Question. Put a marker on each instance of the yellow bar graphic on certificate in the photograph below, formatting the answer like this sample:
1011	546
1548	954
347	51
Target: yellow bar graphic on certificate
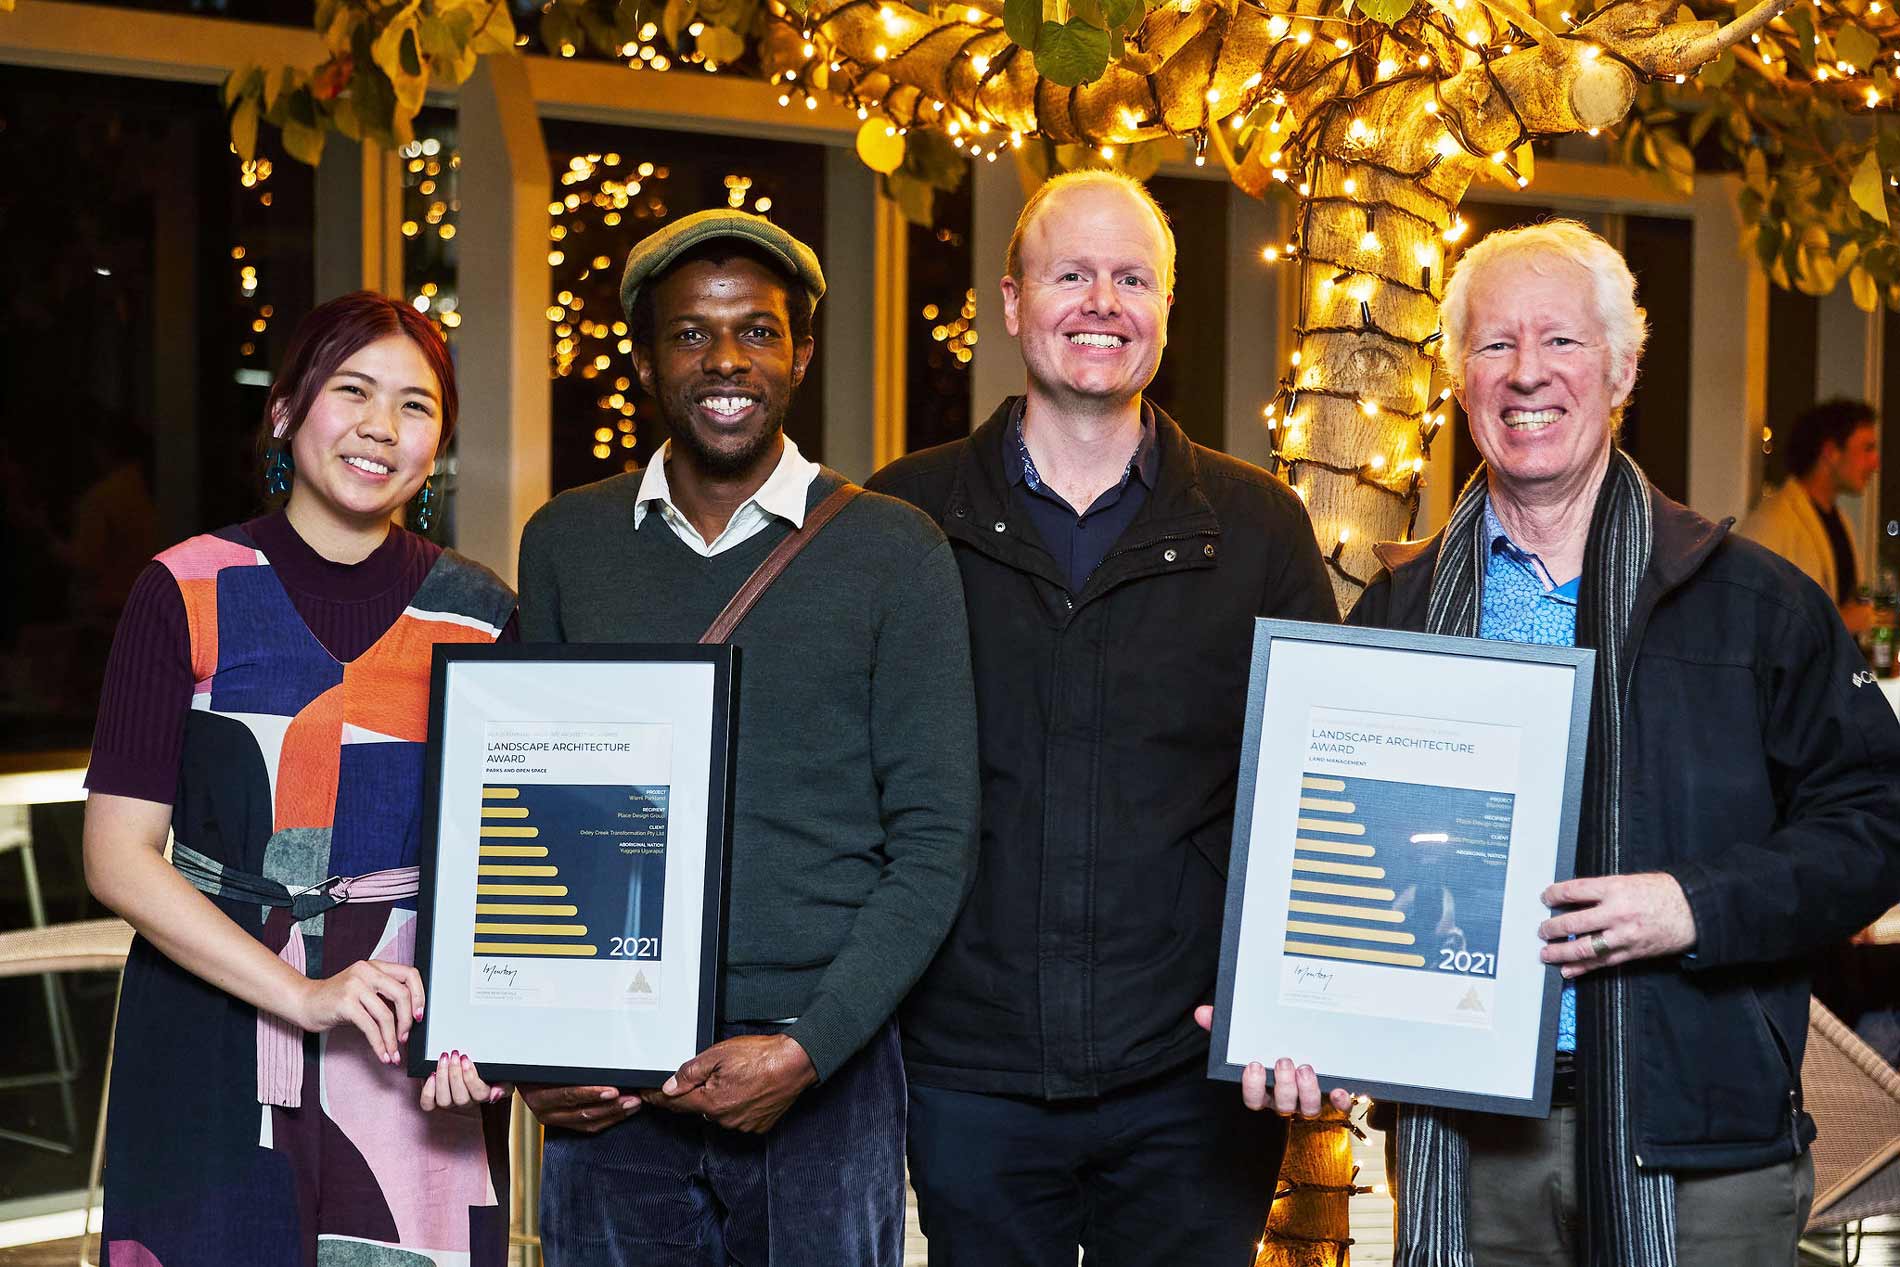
1304	824
1329	868
1336	846
512	851
524	908
1343	890
1306	802
504	811
543	948
498	868
498	832
510	793
1350	912
1330	930
1351	952
521	890
535	930
1320	783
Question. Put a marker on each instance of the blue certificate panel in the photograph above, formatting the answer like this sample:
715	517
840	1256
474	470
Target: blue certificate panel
572	870
1405	875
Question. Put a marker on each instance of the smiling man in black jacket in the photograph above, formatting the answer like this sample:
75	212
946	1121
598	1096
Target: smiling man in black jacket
1112	571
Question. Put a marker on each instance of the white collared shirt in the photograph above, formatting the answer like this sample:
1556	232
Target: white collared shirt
782	496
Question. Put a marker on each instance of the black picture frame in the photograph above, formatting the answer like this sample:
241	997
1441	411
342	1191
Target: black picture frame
1469	652
425	1042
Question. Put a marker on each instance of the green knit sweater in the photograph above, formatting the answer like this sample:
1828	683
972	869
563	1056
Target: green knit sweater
854	830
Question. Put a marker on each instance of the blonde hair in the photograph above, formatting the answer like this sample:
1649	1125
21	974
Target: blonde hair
1612	289
1098	177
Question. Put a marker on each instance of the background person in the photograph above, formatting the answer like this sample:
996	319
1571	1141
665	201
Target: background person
266	701
1832	451
1741	806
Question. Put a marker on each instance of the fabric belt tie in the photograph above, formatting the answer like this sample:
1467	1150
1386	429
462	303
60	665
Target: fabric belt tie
280	1041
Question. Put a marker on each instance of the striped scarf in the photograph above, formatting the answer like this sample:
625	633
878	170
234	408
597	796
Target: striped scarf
1629	1215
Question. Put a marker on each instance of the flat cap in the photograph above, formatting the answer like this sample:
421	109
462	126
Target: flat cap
653	253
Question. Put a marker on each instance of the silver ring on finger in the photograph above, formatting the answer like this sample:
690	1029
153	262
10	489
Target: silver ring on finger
1599	945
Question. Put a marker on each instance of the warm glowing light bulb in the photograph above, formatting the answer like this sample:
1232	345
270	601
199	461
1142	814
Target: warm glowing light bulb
1296	358
1424	254
1378	462
1213	96
1370	242
1277	27
1447	145
1388	68
1350	185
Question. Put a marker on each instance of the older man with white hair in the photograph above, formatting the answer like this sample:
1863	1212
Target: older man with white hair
1741	805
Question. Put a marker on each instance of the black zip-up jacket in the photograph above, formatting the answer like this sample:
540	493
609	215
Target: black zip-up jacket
1109	725
1762	771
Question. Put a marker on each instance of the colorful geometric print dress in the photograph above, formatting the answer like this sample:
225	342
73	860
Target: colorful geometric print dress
233	1139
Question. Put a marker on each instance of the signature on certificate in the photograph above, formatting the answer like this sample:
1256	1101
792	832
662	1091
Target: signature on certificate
498	974
1307	977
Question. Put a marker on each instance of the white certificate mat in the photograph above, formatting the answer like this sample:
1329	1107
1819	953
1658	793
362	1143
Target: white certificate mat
577	815
1404	801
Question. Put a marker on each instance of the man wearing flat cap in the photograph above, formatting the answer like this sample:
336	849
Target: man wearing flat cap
855	813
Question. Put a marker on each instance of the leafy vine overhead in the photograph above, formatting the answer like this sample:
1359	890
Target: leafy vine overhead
1371	116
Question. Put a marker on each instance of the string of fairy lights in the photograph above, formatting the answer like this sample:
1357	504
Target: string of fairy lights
1317	95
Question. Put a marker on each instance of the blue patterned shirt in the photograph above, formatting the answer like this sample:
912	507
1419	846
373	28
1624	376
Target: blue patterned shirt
1522	604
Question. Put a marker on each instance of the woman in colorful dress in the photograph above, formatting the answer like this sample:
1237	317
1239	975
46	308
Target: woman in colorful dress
266	701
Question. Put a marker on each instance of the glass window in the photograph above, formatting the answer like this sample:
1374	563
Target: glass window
940	337
152	281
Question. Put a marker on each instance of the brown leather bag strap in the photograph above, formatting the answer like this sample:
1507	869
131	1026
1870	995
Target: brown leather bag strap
777	561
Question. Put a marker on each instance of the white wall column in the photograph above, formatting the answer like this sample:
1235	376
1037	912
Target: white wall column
847	333
502	276
996	370
359	211
1728	349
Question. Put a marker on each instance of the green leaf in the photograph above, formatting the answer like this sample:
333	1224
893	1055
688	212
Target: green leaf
1386	11
1866	294
303	143
915	200
1803	24
238	81
678	16
1855	47
1869	190
721	44
1122	13
374	102
276	84
1022	22
244	129
1718	72
1071	53
1700	125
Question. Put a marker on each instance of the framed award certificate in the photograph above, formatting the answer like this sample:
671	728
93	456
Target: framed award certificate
577	808
1404	799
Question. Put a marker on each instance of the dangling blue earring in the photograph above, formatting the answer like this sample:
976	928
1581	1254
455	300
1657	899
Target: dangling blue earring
425	505
277	473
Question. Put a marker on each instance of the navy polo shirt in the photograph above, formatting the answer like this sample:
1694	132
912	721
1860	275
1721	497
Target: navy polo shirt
1079	541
